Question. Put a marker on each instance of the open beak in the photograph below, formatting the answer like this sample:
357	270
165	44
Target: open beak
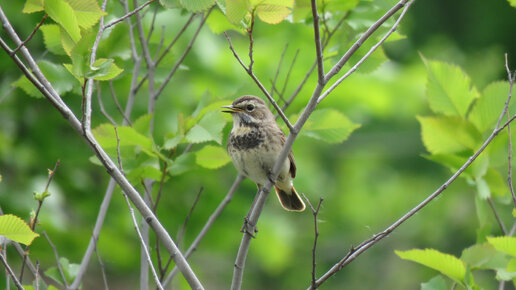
230	109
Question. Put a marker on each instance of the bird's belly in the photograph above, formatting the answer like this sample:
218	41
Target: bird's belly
256	164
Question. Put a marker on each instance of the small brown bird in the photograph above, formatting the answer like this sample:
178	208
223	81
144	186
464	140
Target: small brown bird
254	145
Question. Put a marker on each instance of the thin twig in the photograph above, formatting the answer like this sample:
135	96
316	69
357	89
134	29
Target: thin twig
56	255
264	90
31	35
102	269
10	272
497	216
251	43
101	106
373	48
356	251
118	156
116	21
318	47
315	212
37	275
185	224
117	104
273	81
509	155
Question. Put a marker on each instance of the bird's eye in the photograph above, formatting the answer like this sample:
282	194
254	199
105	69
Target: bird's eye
250	107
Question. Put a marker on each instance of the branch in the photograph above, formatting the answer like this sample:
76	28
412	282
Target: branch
315	212
511	84
59	267
51	95
356	251
31	34
318	47
264	90
10	272
116	21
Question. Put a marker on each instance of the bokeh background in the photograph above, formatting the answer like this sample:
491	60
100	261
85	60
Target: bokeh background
367	182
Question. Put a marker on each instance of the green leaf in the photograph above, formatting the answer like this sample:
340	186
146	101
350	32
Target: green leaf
512	3
447	264
209	128
87	12
59	78
66	41
504	244
212	157
52	38
504	275
436	283
103	70
136	175
182	164
496	182
483	190
483	256
172	142
32	6
489	106
448	135
14	228
451	161
169	3
69	270
483	214
272	14
105	135
449	89
197	5
219	23
329	125
62	13
236	10
142	124
80	55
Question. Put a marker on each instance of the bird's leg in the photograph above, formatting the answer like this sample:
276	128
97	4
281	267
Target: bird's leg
248	227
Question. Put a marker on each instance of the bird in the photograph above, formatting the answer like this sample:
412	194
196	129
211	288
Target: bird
254	145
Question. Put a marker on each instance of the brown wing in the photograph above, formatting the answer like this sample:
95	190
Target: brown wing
290	157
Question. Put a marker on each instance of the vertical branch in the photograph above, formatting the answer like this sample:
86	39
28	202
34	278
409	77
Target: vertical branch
318	47
511	78
251	43
315	212
10	272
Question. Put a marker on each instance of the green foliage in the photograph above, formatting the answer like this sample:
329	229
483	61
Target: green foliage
329	125
69	271
209	128
212	157
59	78
14	228
197	5
447	264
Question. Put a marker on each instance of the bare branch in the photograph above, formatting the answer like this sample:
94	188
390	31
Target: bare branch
356	251
264	90
354	68
315	212
183	228
497	216
56	255
116	21
31	34
507	113
10	272
101	106
318	47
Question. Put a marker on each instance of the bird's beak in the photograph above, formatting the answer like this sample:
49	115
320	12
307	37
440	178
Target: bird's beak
231	109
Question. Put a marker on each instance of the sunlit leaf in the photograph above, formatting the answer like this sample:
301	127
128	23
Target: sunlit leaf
272	14
212	157
219	23
104	69
197	5
87	12
449	89
209	128
512	3
32	6
172	142
136	175
447	135
15	229
496	182
447	264
504	244
62	13
329	125
483	256
128	136
182	164
489	106
236	10
52	38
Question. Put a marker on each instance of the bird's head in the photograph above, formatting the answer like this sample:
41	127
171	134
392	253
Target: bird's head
249	111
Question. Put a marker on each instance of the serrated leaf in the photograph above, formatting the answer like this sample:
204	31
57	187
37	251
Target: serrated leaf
80	55
436	283
489	106
172	142
448	135
197	5
32	6
209	128
329	125
483	256
87	12
62	13
66	41
236	10
52	38
504	244
182	164
14	228
103	70
449	89
212	157
447	264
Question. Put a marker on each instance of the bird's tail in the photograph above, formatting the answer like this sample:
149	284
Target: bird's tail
290	201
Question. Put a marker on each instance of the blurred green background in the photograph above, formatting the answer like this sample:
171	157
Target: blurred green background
367	182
